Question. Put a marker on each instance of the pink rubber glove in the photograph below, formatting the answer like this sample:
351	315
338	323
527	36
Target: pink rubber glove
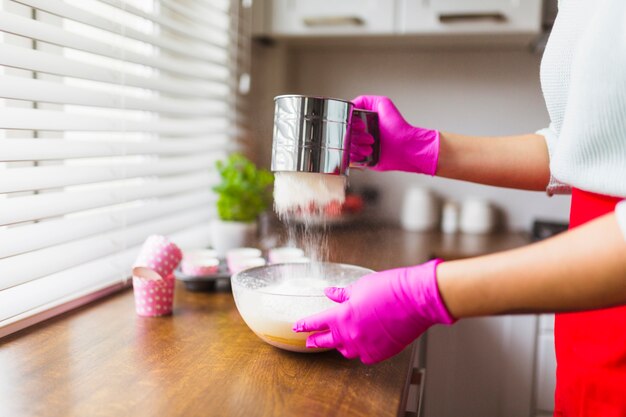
402	147
380	314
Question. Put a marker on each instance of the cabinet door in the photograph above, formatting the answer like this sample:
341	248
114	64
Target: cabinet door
470	16
545	374
331	17
481	367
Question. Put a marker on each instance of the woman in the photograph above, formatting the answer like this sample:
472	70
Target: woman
580	274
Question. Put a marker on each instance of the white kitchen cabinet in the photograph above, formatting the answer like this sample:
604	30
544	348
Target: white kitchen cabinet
546	323
545	373
546	378
331	17
481	367
469	16
491	367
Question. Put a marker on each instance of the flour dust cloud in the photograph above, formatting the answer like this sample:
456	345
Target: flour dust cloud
303	201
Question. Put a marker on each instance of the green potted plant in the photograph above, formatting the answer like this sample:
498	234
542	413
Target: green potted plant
243	193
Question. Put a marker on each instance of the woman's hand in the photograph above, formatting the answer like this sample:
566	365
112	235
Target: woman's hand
380	314
402	147
519	161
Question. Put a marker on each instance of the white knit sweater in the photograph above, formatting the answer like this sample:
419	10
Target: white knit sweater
583	77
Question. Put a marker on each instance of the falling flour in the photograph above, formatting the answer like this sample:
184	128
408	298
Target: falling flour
304	201
307	193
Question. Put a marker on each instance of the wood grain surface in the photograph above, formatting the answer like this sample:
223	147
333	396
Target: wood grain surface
103	360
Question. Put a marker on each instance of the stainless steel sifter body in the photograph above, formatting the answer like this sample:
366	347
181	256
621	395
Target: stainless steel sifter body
313	134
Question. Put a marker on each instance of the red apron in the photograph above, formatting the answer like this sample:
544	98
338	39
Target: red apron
590	346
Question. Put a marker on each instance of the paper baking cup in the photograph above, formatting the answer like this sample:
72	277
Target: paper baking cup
197	267
199	254
284	254
153	297
245	263
303	260
160	255
235	256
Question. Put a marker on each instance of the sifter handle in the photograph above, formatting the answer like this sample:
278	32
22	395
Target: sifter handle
370	118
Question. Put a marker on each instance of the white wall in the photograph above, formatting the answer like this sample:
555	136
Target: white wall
471	92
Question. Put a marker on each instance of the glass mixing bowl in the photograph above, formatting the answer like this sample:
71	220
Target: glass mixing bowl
272	298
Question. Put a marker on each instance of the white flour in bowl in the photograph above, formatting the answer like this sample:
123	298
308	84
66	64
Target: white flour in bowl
272	311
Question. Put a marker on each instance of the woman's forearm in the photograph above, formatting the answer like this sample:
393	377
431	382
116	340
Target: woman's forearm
515	161
578	270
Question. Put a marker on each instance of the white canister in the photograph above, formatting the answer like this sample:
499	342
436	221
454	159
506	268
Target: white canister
420	210
450	217
477	216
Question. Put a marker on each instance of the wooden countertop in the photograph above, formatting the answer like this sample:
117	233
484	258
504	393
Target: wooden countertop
103	360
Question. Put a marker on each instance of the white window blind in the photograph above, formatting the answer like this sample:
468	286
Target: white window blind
112	115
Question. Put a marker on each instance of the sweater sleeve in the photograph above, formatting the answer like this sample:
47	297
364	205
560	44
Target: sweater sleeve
620	212
554	186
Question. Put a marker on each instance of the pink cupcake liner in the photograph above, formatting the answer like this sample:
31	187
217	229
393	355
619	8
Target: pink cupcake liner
160	255
284	254
153	297
236	256
200	267
245	263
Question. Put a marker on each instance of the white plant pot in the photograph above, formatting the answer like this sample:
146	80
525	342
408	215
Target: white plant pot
226	235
